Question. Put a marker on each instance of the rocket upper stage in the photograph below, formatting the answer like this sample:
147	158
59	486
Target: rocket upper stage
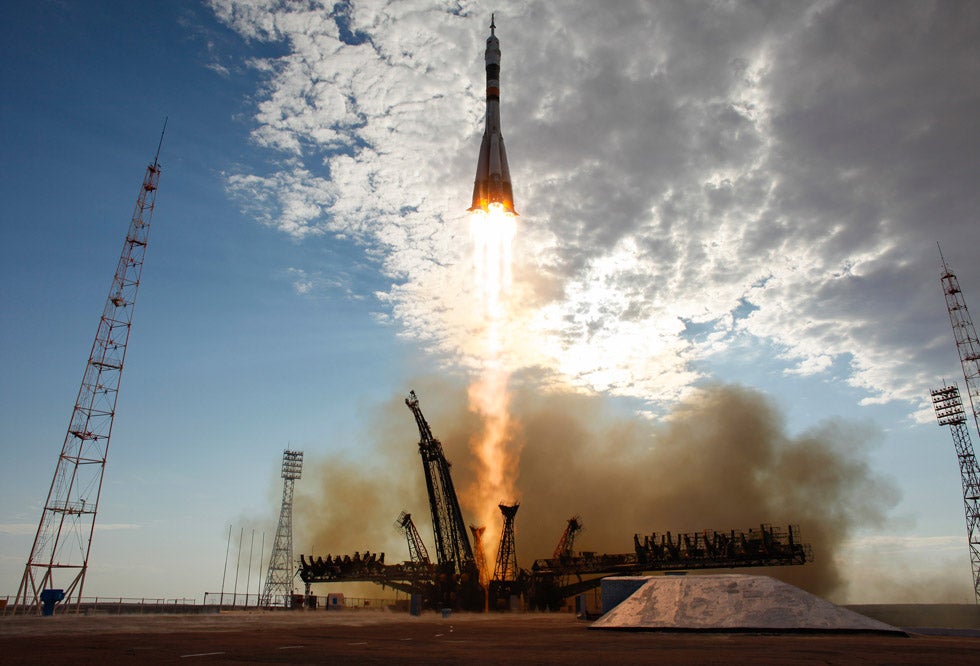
492	184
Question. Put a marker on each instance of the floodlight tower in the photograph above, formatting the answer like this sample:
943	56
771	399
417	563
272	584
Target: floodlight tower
63	541
949	412
279	580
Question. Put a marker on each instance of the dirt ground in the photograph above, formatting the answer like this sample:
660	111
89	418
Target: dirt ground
369	637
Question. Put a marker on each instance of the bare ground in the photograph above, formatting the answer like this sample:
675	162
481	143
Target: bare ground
368	637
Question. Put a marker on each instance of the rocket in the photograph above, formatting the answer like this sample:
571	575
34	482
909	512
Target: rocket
492	185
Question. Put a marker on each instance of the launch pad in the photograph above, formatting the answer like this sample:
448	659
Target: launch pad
456	579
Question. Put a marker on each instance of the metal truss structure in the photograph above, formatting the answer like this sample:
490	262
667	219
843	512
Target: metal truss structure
59	555
543	586
965	335
949	409
278	588
452	545
949	412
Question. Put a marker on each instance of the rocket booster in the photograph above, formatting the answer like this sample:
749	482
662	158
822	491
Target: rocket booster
492	184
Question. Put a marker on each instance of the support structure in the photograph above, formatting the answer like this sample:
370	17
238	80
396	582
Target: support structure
506	567
282	569
452	545
504	584
416	548
566	545
949	412
967	343
480	552
58	561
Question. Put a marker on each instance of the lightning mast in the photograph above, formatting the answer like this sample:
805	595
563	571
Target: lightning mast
949	412
279	579
967	344
60	553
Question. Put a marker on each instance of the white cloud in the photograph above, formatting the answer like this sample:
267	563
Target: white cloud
672	163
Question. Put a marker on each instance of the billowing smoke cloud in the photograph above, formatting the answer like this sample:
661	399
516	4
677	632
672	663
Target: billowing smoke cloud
721	460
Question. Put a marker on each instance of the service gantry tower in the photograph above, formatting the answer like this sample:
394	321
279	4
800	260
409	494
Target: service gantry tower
566	544
417	552
452	544
279	580
63	541
949	412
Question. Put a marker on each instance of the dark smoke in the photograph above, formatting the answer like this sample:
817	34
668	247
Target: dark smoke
721	460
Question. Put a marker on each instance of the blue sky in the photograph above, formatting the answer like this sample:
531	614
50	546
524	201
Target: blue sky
749	195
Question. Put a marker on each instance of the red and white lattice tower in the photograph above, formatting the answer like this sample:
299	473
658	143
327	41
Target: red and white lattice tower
967	344
59	556
950	410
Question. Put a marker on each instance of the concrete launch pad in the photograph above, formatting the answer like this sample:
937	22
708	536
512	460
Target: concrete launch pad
725	603
378	637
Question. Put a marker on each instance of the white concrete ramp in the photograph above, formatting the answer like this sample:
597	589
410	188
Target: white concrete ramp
728	602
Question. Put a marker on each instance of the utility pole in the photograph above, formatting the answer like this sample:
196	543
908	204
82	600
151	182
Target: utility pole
59	556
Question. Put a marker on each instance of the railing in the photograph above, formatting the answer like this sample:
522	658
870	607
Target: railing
232	601
236	600
107	605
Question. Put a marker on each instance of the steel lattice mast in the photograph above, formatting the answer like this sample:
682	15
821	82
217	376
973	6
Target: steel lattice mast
452	544
949	412
60	553
282	569
506	567
967	344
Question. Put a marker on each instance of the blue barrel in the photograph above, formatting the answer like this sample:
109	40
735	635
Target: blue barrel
48	599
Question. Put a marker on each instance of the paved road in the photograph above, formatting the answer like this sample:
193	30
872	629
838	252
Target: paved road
369	637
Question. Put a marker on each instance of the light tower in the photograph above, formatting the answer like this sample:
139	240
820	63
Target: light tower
59	555
949	412
279	581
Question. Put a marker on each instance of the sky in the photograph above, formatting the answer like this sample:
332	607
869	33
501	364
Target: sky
739	194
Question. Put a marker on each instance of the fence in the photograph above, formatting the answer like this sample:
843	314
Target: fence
232	601
110	605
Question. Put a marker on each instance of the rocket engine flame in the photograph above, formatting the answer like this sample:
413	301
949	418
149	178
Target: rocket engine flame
492	229
495	453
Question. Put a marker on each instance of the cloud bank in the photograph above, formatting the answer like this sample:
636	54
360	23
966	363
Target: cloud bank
692	178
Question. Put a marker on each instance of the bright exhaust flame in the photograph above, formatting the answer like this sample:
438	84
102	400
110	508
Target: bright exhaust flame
496	454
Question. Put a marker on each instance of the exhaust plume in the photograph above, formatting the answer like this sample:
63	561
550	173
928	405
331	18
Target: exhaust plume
721	460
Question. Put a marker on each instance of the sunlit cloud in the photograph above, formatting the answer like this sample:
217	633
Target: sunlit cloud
751	173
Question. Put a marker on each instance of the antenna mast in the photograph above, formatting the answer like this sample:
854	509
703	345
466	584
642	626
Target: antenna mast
59	555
